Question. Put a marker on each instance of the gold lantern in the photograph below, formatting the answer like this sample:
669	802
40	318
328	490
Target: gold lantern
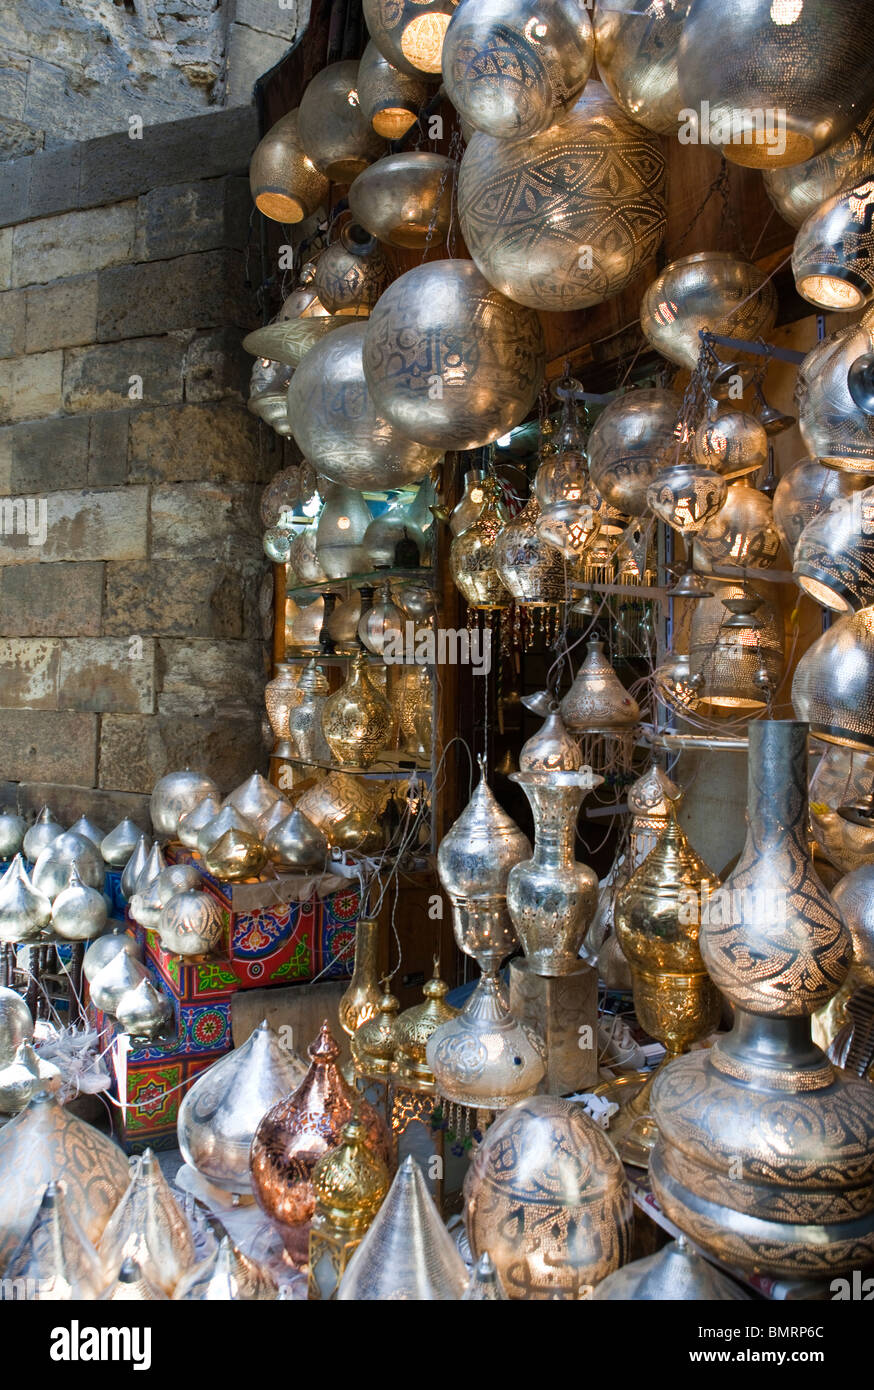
798	191
412	1088
742	532
357	720
390	99
831	257
406	199
657	918
361	999
565	219
471	502
339	423
473	555
410	33
450	361
286	185
636	50
350	1183
713	290
281	695
781	81
513	72
373	1045
332	127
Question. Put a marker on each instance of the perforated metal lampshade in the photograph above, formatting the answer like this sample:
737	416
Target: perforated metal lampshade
833	688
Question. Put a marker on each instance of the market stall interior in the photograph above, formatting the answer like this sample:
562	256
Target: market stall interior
551	901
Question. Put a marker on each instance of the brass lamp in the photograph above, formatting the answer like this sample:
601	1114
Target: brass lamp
286	185
410	33
350	1184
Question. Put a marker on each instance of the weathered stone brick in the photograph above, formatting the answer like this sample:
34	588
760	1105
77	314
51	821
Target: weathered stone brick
102	378
29	672
217	366
59	600
202	147
49	746
208	678
178	443
54	181
63	314
104	808
30	386
5	257
14	188
208	600
86	526
250	54
49	455
107	674
54	248
193	291
193	217
12	323
107	448
270	18
197	521
135	750
7	433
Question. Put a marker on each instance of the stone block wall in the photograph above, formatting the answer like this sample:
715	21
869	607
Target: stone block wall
130	469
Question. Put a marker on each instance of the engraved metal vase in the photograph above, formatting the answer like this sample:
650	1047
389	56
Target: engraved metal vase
765	1155
552	897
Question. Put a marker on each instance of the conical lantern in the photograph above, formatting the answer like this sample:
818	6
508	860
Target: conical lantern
253	798
764	1101
677	1273
228	818
513	79
131	1286
44	1144
473	555
390	99
742	531
105	948
525	216
293	1136
149	1226
799	190
51	870
509	1056
811	48
361	1000
12	831
24	911
122	972
532	573
343	430
56	1257
175	794
286	186
87	828
482	378
221	1111
192	925
631	441
547	1196
16	1023
834	557
597	700
226	1275
473	863
134	867
657	919
191	824
44	830
144	1012
350	1183
833	683
79	912
357	720
118	846
331	127
21	1078
154	866
713	290
407	1252
296	843
484	1285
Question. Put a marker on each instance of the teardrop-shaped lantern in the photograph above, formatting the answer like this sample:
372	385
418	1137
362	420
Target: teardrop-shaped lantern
134	867
51	871
92	832
296	843
44	830
144	1012
149	1226
12	831
118	846
175	794
191	824
112	981
228	818
79	912
56	1257
357	720
24	910
254	798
